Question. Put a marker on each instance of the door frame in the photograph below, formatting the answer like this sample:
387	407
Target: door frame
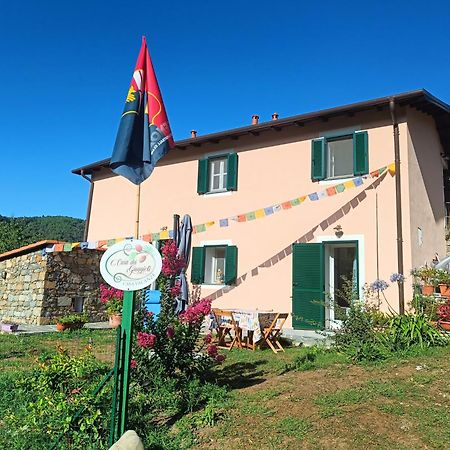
358	240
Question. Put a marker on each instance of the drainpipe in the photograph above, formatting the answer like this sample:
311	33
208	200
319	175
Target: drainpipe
89	206
398	206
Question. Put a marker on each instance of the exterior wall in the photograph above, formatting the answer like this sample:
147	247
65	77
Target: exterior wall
273	167
22	291
71	276
426	187
39	288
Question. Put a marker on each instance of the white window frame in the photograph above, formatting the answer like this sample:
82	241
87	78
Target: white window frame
222	174
214	243
330	162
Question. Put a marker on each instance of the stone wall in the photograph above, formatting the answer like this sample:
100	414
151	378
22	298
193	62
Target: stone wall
22	288
36	288
73	278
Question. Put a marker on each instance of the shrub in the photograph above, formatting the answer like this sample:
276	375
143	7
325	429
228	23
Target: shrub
405	331
73	319
53	394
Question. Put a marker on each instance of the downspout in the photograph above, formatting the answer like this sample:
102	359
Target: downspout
398	206
89	206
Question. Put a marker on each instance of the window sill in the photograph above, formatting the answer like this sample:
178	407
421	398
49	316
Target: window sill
217	194
329	181
213	286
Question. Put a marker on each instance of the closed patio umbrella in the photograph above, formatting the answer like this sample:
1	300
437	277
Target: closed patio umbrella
184	250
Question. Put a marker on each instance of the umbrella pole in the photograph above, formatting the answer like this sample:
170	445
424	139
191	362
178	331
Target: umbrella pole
138	206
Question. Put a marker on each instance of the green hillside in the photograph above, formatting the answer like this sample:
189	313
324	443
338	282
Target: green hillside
18	231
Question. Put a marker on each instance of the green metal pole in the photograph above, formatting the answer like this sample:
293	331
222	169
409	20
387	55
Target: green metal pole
127	335
113	430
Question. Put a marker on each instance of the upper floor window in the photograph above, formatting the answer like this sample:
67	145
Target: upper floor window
340	156
217	174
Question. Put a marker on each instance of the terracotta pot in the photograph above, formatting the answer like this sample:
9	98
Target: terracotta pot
445	290
60	327
115	320
427	289
444	325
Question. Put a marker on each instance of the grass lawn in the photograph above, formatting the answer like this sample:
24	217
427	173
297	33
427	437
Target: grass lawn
279	402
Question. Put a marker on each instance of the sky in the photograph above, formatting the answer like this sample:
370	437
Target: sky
65	69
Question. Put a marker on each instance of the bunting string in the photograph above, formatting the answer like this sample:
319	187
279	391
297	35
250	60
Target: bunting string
240	218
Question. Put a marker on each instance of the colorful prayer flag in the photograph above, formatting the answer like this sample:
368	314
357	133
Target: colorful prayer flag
223	222
321	195
313	197
349	184
340	188
295	202
250	216
259	213
391	168
241	218
331	191
358	181
164	234
286	205
268	210
67	247
59	247
144	134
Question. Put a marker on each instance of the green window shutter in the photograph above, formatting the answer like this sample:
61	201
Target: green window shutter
232	172
198	265
202	180
318	159
308	285
360	153
230	264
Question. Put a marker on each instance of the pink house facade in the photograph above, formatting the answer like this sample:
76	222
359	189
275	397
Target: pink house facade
292	207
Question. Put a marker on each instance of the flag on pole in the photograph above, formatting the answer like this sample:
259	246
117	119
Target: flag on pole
144	134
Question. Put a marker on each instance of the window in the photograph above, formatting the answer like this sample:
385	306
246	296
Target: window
340	156
217	174
214	265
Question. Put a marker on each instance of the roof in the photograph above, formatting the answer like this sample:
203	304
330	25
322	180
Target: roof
421	99
26	249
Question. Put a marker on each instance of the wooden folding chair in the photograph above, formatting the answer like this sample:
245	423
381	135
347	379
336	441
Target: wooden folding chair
225	326
271	334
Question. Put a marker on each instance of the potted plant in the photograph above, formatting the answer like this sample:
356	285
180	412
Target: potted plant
9	327
443	312
429	277
112	298
71	322
444	282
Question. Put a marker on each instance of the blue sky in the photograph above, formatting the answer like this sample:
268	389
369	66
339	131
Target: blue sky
66	68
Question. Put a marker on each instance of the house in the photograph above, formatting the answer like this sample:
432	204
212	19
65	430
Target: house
289	208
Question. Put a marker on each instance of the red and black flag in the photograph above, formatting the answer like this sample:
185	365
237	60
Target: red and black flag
144	134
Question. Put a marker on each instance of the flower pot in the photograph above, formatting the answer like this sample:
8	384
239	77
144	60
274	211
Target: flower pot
60	326
444	290
427	289
115	320
9	327
444	325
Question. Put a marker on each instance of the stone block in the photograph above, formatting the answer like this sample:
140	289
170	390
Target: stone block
50	285
64	301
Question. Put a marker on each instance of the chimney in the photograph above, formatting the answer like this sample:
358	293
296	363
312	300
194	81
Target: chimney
275	116
255	120
193	134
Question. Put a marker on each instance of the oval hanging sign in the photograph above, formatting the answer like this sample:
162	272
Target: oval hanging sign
130	265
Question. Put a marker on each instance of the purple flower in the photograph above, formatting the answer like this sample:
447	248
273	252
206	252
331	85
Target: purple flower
379	285
397	277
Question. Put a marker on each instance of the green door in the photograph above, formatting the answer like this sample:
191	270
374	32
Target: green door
308	287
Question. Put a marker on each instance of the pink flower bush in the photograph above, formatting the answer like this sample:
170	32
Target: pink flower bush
175	291
133	363
146	340
108	293
207	339
196	312
172	263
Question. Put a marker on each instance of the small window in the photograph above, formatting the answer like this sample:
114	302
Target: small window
215	265
340	157
218	174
